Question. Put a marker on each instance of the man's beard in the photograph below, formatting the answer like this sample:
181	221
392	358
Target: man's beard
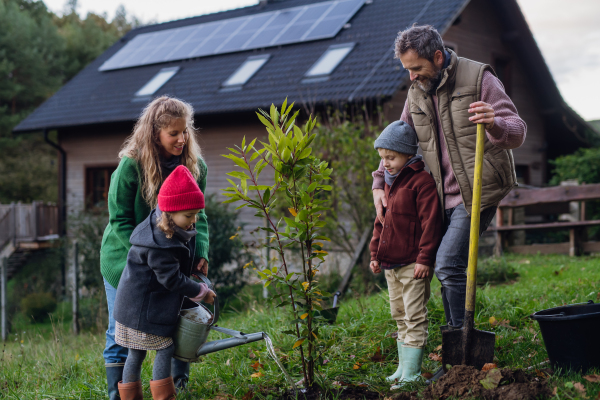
431	84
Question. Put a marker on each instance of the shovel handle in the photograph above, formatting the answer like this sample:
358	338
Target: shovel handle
475	213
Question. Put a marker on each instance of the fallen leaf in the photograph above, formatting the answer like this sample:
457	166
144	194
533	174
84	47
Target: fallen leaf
251	354
531	330
592	378
489	366
248	395
503	322
257	366
435	357
257	375
356	366
598	296
554	390
339	383
377	357
492	379
394	335
580	388
228	363
438	348
427	375
519	339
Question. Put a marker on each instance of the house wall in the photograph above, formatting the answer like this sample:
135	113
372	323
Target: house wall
85	150
478	36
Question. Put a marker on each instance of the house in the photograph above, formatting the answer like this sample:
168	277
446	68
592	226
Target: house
315	52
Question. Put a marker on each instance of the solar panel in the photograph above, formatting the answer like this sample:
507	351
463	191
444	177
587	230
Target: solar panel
292	25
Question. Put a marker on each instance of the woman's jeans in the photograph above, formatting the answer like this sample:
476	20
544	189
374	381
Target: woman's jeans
453	257
113	353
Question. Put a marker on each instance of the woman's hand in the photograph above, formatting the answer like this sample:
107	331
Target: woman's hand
202	267
210	297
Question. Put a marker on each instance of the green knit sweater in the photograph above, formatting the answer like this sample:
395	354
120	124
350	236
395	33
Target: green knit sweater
127	208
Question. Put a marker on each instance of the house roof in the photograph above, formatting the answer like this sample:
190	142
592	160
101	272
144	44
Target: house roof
368	72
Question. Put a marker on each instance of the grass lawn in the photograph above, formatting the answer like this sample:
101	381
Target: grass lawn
45	361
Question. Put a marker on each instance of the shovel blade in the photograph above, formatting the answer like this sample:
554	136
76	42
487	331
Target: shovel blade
477	353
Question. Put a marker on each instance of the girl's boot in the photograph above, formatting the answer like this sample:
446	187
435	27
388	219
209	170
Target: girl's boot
398	374
412	359
131	391
163	389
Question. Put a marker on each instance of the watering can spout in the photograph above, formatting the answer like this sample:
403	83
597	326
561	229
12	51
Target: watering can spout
238	339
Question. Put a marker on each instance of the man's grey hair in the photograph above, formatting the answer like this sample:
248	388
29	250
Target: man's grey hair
425	40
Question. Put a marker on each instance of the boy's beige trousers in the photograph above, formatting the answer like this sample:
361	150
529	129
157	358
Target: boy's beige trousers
408	302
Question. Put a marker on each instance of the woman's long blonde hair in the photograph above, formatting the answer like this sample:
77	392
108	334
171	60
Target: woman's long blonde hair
143	145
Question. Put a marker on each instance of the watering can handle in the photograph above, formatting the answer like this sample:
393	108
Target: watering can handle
208	283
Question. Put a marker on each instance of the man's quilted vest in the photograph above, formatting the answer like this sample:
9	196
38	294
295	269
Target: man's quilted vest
460	86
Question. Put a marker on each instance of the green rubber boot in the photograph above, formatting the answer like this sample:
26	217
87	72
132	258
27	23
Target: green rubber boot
412	359
398	374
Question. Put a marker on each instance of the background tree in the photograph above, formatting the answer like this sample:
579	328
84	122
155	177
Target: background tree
39	52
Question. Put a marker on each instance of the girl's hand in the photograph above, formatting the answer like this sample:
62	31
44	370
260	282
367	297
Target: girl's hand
375	267
421	271
202	267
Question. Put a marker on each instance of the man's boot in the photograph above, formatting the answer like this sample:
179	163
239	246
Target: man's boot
131	391
412	359
398	374
180	371
114	374
163	389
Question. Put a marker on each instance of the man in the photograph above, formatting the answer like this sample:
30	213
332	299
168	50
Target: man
448	97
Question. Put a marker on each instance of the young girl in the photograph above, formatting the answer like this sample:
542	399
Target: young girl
154	283
163	138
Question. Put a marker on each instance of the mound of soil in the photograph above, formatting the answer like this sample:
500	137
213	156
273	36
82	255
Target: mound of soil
463	382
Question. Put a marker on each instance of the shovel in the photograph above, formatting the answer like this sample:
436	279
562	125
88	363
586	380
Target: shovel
469	346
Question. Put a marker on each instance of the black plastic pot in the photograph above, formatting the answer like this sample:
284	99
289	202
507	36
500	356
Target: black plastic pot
572	336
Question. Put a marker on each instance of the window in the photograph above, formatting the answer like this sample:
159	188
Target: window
246	70
330	60
97	181
502	68
157	81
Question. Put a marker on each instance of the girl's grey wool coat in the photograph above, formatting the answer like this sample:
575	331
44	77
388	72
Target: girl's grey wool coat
155	280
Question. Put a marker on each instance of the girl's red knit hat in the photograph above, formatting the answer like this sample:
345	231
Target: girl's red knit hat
180	192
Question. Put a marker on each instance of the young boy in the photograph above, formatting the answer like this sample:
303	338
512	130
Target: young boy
405	242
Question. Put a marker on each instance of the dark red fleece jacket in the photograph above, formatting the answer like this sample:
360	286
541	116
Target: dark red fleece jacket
412	231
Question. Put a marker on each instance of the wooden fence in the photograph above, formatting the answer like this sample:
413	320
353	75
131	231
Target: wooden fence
33	222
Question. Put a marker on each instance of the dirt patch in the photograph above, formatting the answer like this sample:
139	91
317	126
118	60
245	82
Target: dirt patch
464	382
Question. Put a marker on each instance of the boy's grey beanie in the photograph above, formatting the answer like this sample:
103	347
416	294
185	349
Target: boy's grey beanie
400	137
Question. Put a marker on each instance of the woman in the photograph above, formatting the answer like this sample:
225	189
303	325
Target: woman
163	138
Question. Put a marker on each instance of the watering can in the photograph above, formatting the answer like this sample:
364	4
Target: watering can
195	323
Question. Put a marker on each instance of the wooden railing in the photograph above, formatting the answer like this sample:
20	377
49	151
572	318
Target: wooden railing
33	222
547	201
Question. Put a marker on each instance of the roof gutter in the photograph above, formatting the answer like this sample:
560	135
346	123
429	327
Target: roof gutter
62	183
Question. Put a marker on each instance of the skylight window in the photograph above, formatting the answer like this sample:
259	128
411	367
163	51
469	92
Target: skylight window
246	70
157	81
330	60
